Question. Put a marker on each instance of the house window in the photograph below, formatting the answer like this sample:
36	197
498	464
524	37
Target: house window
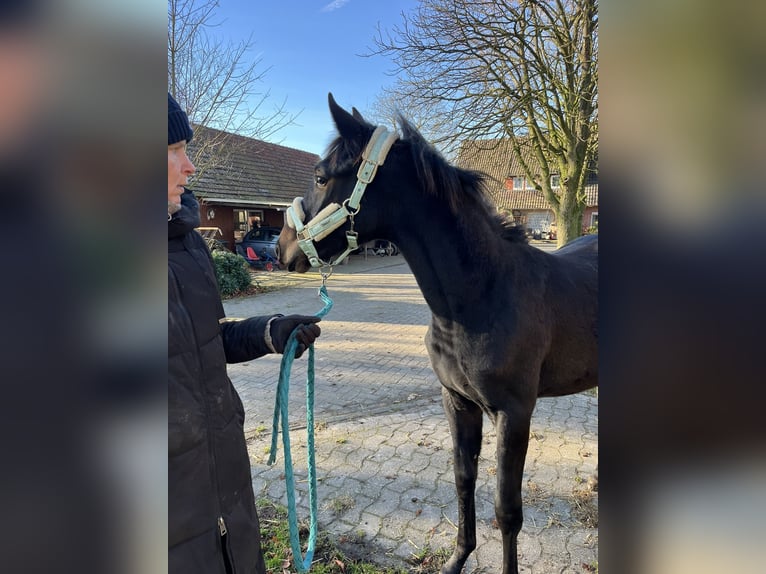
555	181
244	220
594	219
521	182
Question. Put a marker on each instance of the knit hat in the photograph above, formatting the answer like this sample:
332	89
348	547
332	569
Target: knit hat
19	13
178	123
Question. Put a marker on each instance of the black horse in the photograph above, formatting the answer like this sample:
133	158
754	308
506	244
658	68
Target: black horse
510	323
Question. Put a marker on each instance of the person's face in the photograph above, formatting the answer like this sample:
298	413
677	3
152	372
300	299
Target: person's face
23	90
180	168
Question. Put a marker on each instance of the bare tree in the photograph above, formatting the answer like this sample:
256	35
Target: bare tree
217	83
524	70
431	118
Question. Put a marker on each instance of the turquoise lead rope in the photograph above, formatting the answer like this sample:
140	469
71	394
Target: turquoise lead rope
280	410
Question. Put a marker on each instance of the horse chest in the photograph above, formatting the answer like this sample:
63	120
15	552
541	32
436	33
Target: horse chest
458	367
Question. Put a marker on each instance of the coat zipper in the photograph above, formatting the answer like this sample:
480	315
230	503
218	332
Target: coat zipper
228	564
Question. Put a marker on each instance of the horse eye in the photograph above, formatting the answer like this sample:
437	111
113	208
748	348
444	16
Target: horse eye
320	181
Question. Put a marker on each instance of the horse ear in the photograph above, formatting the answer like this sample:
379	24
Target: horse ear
349	127
358	116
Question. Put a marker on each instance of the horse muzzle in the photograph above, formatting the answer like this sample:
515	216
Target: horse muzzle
330	218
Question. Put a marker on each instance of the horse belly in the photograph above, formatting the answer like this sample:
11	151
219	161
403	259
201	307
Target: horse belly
569	370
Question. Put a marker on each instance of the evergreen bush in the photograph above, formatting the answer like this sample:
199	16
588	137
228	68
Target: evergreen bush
231	272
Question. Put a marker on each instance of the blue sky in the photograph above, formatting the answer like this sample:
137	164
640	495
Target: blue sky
313	47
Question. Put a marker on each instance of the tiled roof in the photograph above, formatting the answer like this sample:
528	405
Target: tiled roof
496	159
253	171
493	157
532	199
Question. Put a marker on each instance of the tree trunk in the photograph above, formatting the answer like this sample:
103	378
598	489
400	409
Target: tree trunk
569	217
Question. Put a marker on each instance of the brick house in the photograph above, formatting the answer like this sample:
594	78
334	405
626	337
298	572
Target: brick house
512	191
252	180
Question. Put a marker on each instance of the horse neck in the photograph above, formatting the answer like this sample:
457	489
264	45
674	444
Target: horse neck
454	260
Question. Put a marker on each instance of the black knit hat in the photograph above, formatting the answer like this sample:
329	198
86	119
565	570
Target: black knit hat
15	13
178	123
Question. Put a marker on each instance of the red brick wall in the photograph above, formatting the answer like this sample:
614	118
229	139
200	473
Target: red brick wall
273	217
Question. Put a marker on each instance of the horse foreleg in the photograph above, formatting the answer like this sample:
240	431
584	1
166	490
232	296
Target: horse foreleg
512	441
465	421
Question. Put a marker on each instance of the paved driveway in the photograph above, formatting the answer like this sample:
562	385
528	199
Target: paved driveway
382	442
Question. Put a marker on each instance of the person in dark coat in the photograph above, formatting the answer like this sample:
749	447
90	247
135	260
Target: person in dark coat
212	521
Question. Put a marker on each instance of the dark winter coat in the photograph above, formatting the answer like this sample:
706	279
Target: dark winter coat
212	522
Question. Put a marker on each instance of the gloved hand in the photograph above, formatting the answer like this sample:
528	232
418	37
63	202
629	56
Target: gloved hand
281	327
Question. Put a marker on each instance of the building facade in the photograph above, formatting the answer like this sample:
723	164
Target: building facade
512	191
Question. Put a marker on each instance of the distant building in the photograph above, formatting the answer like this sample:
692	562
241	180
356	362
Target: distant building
252	182
512	191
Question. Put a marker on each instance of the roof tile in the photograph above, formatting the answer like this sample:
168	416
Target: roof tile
253	170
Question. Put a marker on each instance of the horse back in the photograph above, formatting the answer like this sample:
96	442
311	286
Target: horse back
583	250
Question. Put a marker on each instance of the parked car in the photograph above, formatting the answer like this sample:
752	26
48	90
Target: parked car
257	246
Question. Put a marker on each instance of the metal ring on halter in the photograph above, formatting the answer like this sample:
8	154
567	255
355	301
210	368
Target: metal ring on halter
346	207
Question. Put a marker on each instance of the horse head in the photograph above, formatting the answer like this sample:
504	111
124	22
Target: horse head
328	208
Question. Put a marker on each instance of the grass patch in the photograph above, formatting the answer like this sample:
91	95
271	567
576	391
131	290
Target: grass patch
341	504
429	561
328	558
584	509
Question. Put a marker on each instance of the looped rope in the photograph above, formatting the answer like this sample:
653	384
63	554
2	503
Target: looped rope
280	410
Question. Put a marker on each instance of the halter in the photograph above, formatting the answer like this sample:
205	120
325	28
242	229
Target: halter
334	215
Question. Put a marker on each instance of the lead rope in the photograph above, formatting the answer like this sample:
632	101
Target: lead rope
280	410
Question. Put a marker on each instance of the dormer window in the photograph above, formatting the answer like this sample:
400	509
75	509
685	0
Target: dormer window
555	181
520	183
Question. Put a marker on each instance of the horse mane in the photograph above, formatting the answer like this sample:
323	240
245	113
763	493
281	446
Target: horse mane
457	186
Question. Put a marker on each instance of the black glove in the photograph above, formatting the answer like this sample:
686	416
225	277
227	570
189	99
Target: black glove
308	331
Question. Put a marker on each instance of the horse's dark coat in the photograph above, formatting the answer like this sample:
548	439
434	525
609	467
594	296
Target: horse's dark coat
510	323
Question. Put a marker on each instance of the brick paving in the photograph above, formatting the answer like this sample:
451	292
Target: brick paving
382	442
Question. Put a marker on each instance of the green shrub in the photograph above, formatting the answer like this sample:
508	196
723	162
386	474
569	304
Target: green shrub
231	272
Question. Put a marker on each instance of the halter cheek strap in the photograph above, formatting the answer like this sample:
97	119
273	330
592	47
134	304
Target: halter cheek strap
334	215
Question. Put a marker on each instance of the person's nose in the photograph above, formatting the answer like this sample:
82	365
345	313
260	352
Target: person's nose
189	167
